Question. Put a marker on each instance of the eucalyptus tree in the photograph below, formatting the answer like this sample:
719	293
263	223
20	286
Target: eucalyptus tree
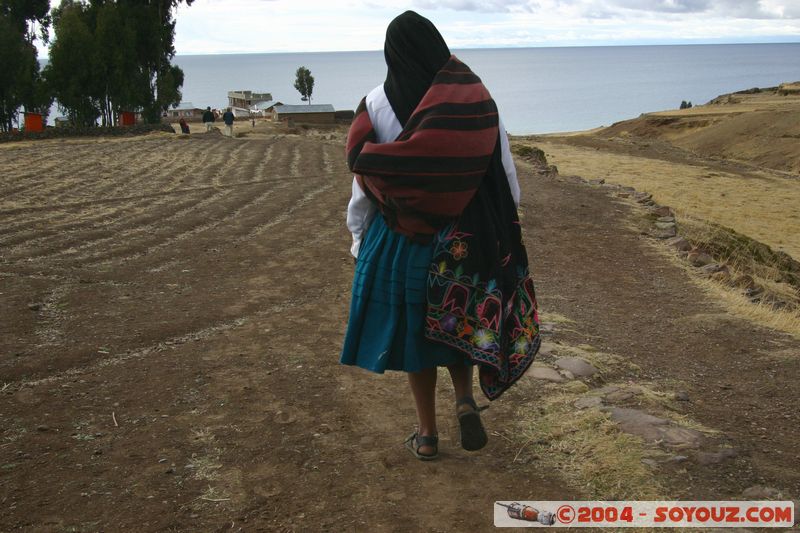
304	83
114	55
21	23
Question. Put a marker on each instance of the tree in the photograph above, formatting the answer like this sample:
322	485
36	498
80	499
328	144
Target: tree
304	83
114	55
26	14
70	73
20	82
165	79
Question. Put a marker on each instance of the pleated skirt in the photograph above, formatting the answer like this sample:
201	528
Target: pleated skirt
385	330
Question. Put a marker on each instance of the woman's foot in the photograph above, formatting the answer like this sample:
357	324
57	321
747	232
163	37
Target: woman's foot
423	447
473	435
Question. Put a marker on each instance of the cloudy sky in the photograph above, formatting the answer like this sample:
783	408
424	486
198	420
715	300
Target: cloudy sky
227	26
250	26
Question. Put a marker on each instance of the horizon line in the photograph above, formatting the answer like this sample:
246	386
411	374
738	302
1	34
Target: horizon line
500	47
511	47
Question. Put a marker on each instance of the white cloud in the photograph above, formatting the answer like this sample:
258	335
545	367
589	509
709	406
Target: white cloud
249	26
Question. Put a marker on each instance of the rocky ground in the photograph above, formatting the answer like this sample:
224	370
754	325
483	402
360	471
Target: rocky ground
172	313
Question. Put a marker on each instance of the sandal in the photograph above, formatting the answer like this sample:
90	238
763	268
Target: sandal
473	436
415	441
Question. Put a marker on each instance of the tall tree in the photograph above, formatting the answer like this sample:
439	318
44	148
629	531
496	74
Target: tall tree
127	45
20	83
72	70
165	78
304	83
117	55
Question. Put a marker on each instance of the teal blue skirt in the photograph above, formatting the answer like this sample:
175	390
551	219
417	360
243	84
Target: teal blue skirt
387	310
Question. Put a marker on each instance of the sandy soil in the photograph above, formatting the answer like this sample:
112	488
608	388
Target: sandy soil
172	313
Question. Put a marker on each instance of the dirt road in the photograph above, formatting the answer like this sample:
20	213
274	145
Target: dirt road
172	311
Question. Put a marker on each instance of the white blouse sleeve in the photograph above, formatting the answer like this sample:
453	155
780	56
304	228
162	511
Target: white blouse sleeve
508	164
360	211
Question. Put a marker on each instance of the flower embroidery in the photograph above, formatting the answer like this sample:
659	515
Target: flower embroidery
521	346
459	250
483	338
448	322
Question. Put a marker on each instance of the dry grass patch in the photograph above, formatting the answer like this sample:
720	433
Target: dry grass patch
554	318
589	451
764	208
765	314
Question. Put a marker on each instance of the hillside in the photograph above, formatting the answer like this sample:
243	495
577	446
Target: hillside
757	126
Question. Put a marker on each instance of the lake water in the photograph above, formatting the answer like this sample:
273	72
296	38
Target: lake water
538	90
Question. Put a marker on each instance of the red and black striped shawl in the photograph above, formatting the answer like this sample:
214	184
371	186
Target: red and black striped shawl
428	175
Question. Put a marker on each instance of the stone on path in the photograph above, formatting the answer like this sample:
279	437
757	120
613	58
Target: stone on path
712	268
681	396
544	351
712	458
681	437
665	225
617	394
577	366
588	401
699	259
654	429
666	233
680	244
760	492
662	211
545	373
631	419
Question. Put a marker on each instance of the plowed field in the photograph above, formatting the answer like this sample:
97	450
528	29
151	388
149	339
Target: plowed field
172	313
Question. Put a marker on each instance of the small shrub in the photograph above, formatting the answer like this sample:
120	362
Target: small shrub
531	153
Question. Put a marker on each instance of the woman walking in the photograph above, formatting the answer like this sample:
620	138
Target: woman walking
441	272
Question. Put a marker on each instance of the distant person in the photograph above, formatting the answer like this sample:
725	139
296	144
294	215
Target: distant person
228	119
208	119
441	276
184	125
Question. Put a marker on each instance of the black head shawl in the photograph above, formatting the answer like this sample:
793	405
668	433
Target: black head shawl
415	51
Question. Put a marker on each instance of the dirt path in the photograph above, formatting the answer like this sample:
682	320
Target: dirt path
172	314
